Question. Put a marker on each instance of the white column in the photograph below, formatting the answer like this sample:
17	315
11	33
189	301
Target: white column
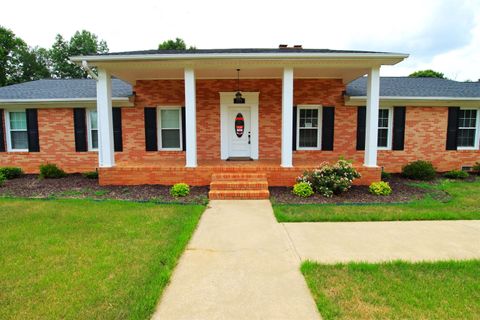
106	156
190	119
373	97
287	116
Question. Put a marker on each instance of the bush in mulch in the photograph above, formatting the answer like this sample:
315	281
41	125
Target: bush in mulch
11	172
456	174
78	186
419	170
51	171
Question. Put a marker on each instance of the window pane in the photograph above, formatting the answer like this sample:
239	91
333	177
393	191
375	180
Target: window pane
170	138
383	138
19	139
94	134
18	120
170	118
466	138
383	118
308	138
93	120
308	118
467	118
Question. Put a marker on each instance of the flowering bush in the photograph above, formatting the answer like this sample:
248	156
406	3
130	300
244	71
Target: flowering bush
381	188
302	189
329	179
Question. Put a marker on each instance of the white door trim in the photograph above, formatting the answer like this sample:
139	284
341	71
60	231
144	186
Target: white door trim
226	101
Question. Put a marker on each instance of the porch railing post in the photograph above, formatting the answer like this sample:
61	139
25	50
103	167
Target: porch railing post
373	97
106	155
190	118
287	117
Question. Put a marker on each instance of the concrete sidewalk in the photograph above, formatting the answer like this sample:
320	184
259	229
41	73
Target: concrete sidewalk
239	265
384	241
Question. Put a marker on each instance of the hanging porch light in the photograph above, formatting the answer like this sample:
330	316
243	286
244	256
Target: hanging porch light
238	96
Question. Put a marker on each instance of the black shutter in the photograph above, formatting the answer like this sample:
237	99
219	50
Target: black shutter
361	123
399	114
294	131
2	133
328	123
117	129
151	129
80	126
184	136
452	128
32	128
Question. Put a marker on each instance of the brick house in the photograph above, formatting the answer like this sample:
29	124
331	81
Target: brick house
238	119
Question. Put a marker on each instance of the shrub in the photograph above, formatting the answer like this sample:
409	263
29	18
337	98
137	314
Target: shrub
386	175
51	171
180	190
456	174
476	166
303	189
329	179
2	179
11	172
381	188
91	174
419	170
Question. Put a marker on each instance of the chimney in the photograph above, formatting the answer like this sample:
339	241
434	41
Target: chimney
297	46
283	46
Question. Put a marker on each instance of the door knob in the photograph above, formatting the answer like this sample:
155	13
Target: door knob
248	137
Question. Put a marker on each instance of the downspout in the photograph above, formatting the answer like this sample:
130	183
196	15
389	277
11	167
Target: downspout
86	67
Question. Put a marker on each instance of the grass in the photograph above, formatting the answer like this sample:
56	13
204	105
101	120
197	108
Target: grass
396	290
85	259
464	203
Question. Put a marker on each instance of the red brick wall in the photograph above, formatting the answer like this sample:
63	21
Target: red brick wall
424	137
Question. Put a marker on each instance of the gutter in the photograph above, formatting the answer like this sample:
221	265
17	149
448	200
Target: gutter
89	70
354	98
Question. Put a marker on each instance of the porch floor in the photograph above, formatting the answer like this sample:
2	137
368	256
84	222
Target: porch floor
168	172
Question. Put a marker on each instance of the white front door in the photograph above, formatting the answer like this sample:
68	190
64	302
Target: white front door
239	132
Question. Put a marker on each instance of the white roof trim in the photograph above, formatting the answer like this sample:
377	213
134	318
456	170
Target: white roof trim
58	100
205	56
416	98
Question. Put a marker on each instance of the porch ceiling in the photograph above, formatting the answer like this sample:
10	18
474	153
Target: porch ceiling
345	69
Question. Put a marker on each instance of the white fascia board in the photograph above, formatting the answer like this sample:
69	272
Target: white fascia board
58	100
417	98
274	56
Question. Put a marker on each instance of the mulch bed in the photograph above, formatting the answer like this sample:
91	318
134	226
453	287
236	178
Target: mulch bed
77	186
403	191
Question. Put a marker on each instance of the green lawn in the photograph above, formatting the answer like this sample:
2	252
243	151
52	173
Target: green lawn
464	203
397	290
85	259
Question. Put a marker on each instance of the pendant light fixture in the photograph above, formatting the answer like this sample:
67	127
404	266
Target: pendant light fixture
238	96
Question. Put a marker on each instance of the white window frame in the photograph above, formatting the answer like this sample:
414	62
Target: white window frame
159	127
89	130
319	126
477	130
8	130
389	128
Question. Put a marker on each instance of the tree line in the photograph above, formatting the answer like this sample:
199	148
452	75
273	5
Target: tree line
20	62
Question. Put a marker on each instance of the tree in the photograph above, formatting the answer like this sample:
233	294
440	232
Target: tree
81	43
427	74
18	62
177	44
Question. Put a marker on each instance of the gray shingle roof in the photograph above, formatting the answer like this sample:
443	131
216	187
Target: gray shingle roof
389	87
61	89
236	51
417	87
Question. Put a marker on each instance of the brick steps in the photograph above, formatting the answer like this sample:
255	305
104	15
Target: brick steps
231	186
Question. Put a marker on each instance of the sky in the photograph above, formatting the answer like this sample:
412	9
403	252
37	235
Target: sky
443	35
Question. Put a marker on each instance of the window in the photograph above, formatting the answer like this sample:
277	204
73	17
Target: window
468	124
169	128
92	130
308	124
384	129
17	139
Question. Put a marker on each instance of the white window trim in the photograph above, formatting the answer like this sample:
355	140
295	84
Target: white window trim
319	126
477	130
89	130
390	129
8	130
159	128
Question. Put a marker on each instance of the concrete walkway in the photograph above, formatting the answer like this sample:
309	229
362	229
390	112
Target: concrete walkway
239	265
384	241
